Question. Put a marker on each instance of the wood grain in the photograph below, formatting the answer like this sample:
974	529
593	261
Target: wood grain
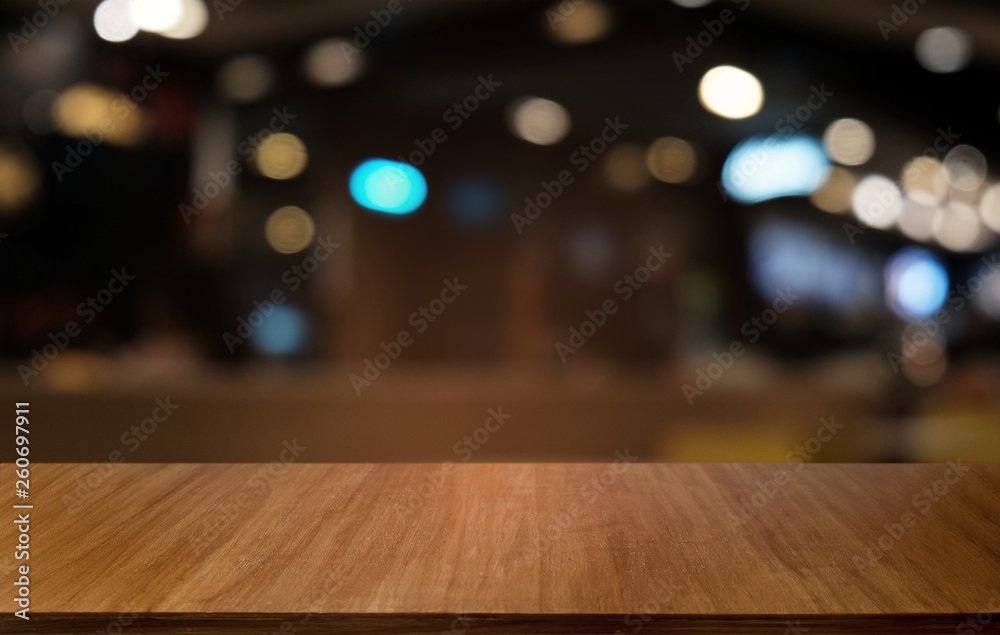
519	548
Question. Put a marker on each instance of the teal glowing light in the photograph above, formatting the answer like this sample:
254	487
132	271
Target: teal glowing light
388	186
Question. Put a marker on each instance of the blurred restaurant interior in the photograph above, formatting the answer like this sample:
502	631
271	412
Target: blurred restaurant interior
427	230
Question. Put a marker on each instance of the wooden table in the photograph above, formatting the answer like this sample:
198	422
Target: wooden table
507	548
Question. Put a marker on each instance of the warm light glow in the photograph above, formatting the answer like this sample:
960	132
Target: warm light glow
114	21
86	109
943	49
245	78
926	358
289	230
877	201
539	121
587	22
957	227
730	92
157	15
19	179
916	220
966	168
671	160
193	20
834	195
925	180
334	62
989	207
282	156
625	167
849	141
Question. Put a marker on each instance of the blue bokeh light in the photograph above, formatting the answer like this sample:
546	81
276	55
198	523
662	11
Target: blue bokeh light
916	283
282	332
762	168
388	186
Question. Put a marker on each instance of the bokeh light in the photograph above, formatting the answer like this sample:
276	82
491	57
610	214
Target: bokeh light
539	121
671	160
475	202
388	186
762	168
692	4
245	78
988	298
193	21
965	168
281	156
157	15
19	178
849	141
925	354
730	92
85	108
943	49
334	62
586	22
289	230
989	207
957	227
877	201
114	21
283	332
925	180
916	220
834	195
916	283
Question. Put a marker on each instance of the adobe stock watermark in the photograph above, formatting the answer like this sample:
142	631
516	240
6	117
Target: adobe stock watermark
562	520
132	438
293	278
752	329
784	127
218	181
765	491
123	106
262	481
899	16
87	310
31	26
927	330
943	142
364	34
625	287
697	44
977	623
582	158
464	448
455	115
922	502
665	594
421	320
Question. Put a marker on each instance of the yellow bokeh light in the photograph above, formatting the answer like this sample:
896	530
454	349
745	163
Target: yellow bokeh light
96	113
925	180
580	24
834	195
671	160
19	179
282	156
849	141
731	92
289	230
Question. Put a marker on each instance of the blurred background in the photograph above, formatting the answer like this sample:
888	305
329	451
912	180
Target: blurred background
425	230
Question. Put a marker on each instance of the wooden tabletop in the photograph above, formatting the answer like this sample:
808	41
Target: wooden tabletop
507	548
